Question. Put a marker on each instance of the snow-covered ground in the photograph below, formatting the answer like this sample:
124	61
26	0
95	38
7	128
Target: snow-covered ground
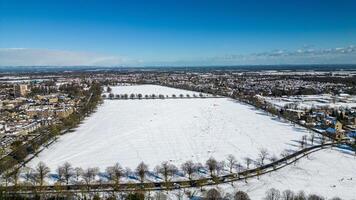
178	130
173	130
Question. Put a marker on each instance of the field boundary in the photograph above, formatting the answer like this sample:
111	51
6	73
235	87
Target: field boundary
173	185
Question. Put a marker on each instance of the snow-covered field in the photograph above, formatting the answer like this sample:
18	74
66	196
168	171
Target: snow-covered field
178	130
173	130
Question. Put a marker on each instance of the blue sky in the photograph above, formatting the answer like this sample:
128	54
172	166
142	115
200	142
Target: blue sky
194	32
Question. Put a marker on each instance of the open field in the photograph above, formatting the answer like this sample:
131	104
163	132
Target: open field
178	130
173	130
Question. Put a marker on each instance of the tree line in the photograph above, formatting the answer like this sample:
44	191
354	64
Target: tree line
151	96
66	174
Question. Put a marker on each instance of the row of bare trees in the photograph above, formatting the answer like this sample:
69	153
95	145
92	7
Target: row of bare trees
152	96
66	173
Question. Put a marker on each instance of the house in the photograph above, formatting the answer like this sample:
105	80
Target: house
338	126
53	100
21	90
336	129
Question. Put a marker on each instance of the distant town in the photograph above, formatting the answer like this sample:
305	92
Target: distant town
38	108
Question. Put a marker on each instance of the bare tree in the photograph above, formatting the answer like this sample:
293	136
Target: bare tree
322	139
300	196
273	159
312	137
273	194
65	172
240	195
211	164
303	142
262	155
115	173
166	170
28	174
285	154
141	171
189	168
220	167
239	167
213	194
60	174
89	175
315	197
78	173
42	172
231	162
288	195
248	162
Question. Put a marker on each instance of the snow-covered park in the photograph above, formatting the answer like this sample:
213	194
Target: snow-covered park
177	130
173	130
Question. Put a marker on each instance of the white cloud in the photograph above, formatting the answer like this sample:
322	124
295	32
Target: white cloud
306	55
45	57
